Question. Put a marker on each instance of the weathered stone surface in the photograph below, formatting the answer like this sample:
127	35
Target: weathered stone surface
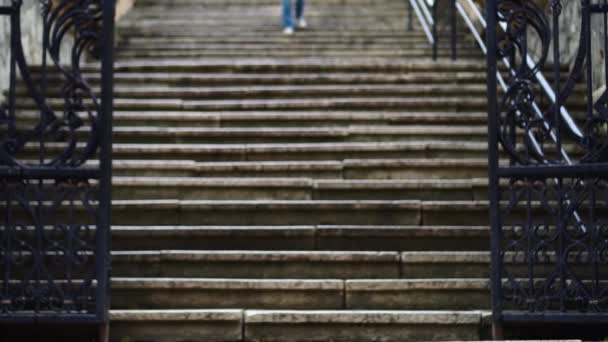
256	264
360	325
176	325
181	293
417	294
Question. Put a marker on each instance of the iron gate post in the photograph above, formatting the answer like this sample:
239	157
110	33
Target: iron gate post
493	184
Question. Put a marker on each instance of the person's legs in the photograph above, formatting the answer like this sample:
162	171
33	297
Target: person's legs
300	9
287	16
300	21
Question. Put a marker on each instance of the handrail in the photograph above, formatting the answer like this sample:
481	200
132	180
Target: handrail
423	20
426	11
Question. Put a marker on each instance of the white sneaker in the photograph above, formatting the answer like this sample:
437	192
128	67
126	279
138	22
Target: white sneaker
302	23
288	30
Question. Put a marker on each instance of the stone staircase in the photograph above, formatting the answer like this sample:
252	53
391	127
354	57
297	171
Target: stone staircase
324	186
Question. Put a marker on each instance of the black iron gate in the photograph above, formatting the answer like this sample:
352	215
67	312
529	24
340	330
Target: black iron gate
55	166
548	162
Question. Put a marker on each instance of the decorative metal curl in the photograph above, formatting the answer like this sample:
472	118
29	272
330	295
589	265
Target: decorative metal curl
79	19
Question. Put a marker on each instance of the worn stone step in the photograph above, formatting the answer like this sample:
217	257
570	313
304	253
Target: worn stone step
425	103
445	264
287	92
350	169
476	264
378	133
332	238
273	34
418	294
291	151
380	169
315	264
298	118
271	119
265	212
191	188
285	151
294	325
263	65
269	45
362	325
222	79
302	294
194	293
274	212
177	325
184	79
256	264
287	53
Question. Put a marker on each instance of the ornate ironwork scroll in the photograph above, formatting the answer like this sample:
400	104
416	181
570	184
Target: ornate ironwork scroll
55	167
548	163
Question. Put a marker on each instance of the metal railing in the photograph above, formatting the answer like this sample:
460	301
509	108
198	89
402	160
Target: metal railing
427	14
552	196
56	212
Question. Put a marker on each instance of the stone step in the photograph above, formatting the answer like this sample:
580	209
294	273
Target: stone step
286	92
416	35
123	79
380	169
263	135
288	53
256	264
171	212
191	188
364	169
300	294
274	65
296	44
313	212
298	238
240	135
270	119
289	151
315	264
423	103
195	293
294	325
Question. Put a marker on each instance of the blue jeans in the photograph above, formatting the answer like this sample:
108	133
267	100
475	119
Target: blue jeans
287	12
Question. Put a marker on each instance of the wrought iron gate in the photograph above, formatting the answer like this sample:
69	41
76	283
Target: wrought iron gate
548	158
55	167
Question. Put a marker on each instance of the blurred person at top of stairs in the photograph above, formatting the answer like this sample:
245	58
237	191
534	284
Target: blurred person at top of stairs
288	16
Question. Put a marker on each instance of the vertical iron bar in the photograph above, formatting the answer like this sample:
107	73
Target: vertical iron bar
43	84
14	22
605	44
556	6
410	16
560	218
453	27
434	29
493	189
102	261
586	11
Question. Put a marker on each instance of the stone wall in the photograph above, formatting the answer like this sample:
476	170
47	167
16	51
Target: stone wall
570	30
31	37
